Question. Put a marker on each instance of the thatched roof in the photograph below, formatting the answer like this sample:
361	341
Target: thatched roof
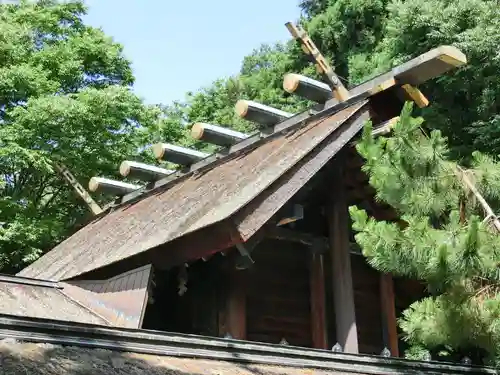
202	200
238	189
18	358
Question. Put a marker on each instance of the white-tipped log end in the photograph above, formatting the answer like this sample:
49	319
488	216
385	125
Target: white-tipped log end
94	184
125	168
158	150
197	130
241	108
291	82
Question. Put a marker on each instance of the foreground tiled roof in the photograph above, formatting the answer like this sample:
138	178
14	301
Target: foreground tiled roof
117	302
191	203
41	346
43	302
45	359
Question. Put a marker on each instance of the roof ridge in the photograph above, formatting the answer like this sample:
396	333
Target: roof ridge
75	301
246	145
14	279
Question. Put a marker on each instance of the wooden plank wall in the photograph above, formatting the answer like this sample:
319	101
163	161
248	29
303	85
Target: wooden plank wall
372	288
366	284
193	311
130	280
204	292
278	294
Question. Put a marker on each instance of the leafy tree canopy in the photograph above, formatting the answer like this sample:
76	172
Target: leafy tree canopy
65	95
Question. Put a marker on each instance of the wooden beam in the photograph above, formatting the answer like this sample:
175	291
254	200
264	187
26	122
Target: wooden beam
319	244
177	155
307	239
430	64
338	216
411	93
307	88
291	213
389	322
143	171
308	46
260	113
318	307
247	246
422	68
383	128
80	190
217	135
112	187
383	85
236	306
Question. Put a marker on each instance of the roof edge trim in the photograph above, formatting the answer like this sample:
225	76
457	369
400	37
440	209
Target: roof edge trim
182	345
29	281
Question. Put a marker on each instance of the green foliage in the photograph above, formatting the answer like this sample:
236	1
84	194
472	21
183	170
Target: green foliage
64	96
457	259
465	103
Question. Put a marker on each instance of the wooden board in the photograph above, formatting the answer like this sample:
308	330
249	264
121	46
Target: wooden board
389	323
366	285
429	65
318	308
278	294
121	300
345	317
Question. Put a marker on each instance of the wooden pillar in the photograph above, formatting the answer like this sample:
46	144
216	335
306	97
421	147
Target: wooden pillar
318	310
339	224
389	323
236	317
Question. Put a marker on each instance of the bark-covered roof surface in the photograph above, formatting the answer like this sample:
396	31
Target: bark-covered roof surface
44	302
117	302
241	183
18	358
187	205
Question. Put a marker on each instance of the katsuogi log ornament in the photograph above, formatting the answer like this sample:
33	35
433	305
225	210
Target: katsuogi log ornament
177	155
142	171
112	187
216	135
307	88
260	113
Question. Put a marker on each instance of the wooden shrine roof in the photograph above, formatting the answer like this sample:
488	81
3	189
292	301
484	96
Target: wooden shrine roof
191	204
35	300
233	194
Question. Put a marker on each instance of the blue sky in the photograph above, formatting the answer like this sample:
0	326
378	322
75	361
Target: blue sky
180	46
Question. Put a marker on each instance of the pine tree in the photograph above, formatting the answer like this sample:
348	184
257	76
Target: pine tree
444	238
